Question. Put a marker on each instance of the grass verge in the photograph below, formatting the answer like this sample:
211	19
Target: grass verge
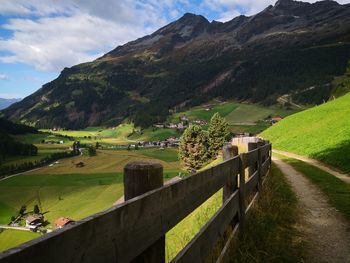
337	191
270	234
12	238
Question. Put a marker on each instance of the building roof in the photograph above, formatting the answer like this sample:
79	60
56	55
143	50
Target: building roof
62	221
32	218
277	118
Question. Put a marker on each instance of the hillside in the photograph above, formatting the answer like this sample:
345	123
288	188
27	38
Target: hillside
321	132
287	47
10	146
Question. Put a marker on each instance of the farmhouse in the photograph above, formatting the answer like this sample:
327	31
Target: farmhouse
34	221
159	125
276	119
63	221
80	164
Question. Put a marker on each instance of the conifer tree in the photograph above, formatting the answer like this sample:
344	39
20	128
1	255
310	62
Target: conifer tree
218	133
193	150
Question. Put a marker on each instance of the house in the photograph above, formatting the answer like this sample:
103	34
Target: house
159	125
80	164
172	126
201	122
181	126
184	118
172	139
63	221
34	221
276	119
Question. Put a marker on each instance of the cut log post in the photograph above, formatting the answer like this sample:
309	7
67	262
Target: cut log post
228	152
139	178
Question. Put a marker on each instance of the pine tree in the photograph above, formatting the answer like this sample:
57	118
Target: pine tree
36	209
193	150
218	134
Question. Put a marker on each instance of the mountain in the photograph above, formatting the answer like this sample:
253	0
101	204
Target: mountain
4	103
321	132
285	49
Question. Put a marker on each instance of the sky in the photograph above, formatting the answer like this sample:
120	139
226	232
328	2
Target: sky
39	38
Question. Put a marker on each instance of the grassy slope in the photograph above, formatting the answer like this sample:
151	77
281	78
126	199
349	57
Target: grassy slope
154	135
322	133
65	190
252	113
337	191
110	161
200	112
72	195
12	238
270	233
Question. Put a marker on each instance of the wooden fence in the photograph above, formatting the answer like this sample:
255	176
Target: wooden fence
135	230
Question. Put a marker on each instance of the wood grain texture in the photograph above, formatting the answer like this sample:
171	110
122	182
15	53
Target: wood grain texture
200	246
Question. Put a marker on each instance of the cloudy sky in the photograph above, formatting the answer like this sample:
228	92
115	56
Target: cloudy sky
38	38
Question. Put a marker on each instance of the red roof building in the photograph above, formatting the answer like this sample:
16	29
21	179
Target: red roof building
63	221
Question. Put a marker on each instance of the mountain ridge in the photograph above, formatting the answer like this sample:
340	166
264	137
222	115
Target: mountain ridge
285	48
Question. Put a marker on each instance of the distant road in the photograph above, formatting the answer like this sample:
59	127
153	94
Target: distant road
14	228
7	177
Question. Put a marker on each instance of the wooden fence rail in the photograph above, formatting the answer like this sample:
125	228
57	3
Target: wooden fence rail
127	231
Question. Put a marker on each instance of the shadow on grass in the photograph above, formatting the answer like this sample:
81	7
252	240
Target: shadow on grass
338	156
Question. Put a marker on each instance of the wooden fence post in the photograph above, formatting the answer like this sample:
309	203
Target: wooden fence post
261	160
241	195
252	146
139	178
228	152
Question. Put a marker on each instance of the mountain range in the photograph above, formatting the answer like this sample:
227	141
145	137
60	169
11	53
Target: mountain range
4	103
285	49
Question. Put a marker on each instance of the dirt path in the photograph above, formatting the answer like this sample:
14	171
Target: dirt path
331	170
323	226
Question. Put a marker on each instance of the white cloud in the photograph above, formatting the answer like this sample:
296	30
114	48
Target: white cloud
3	77
52	34
68	32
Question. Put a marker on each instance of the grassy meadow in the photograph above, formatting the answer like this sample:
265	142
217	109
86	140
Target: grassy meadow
201	112
62	189
65	190
322	132
12	238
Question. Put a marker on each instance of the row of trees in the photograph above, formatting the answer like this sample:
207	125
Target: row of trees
198	146
25	166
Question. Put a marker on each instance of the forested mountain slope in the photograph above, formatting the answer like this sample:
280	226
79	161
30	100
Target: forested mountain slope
288	47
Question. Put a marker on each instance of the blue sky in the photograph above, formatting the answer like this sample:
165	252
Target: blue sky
38	38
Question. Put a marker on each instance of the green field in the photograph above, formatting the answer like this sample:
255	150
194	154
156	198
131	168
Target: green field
201	112
12	238
252	113
322	132
65	190
241	117
155	134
